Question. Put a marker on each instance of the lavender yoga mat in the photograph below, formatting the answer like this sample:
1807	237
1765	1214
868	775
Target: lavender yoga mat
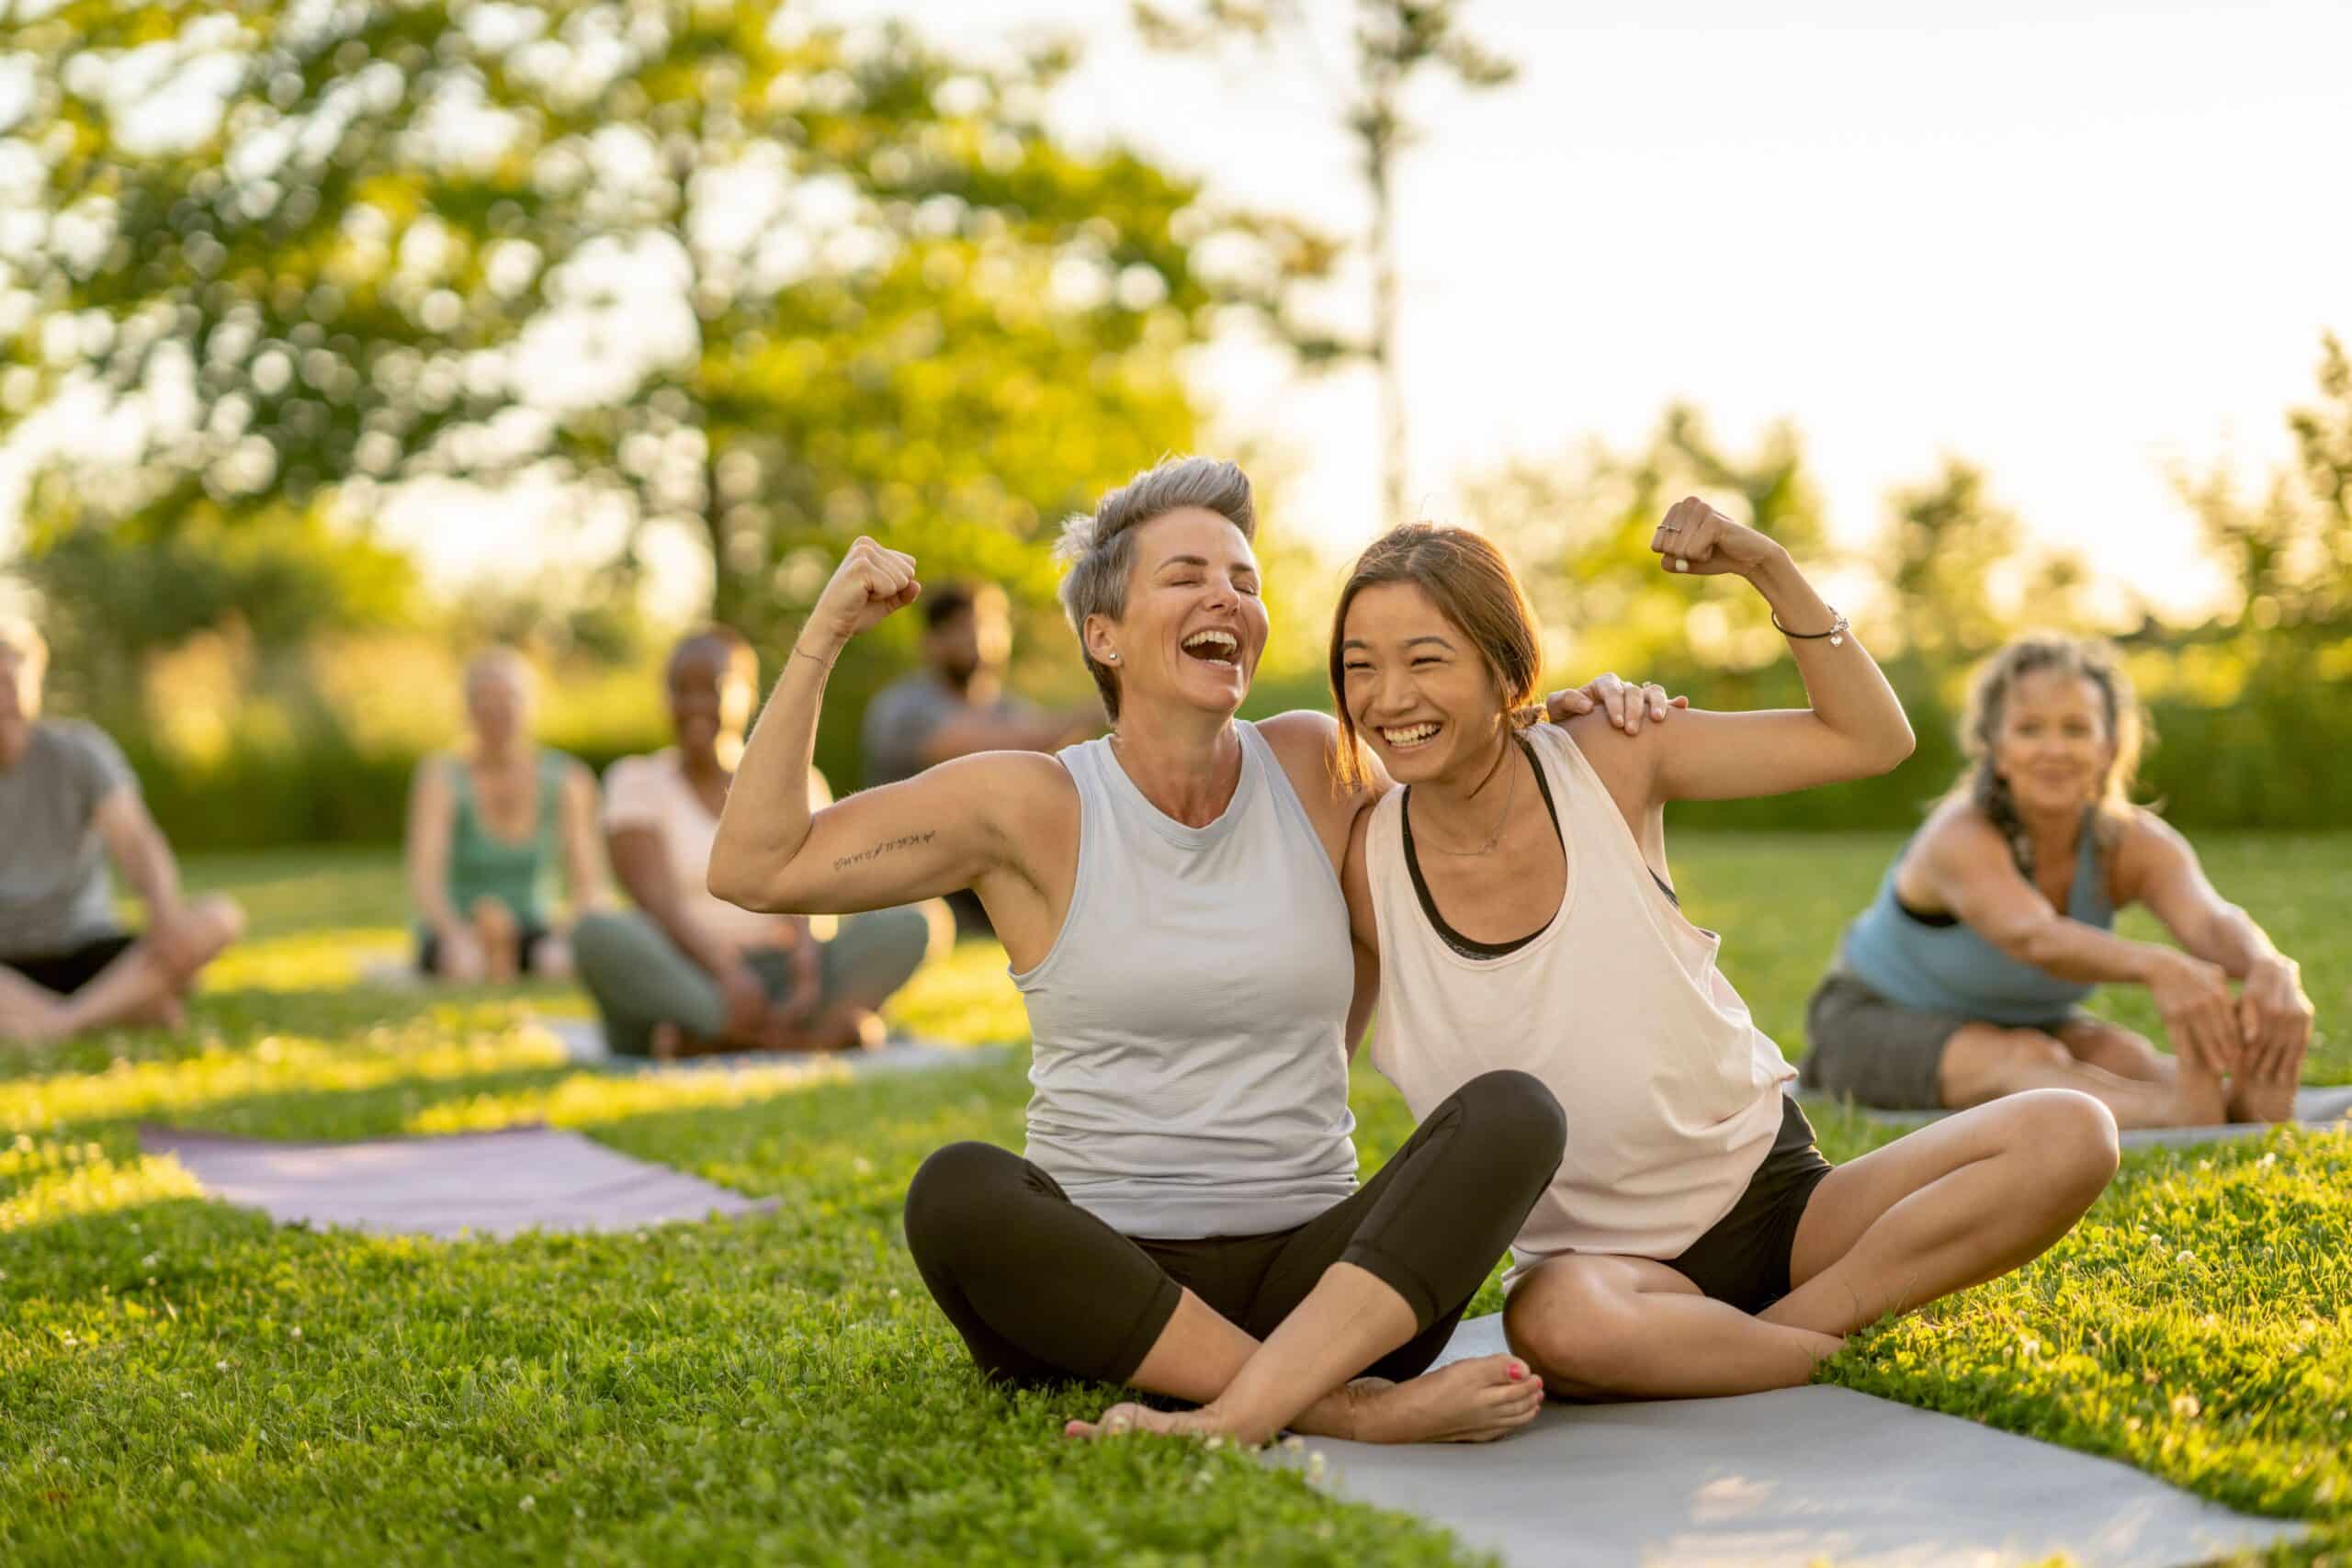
489	1184
1779	1480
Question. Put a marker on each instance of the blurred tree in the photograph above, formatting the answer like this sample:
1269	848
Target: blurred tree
1394	43
115	598
1944	537
1579	531
2290	551
775	282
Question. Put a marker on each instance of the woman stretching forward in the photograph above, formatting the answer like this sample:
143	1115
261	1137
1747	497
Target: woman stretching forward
1515	898
1187	1221
1960	983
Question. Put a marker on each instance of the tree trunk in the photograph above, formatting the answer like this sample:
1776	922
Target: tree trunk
1380	161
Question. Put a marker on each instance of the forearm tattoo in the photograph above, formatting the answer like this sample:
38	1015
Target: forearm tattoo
844	862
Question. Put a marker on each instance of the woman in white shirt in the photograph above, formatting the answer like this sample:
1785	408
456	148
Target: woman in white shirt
684	972
1514	897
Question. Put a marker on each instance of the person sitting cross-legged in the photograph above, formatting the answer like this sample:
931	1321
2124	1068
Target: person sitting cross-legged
488	825
684	973
68	803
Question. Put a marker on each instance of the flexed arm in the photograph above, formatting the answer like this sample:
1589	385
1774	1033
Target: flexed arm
1855	727
934	833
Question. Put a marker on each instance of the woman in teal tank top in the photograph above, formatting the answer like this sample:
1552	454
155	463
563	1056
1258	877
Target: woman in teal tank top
1961	981
487	830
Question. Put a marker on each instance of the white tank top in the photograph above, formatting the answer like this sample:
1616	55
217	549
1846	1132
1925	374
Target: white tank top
1189	1073
1672	1094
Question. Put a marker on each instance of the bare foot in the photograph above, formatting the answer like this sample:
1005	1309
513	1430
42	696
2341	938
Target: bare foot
1474	1401
1122	1419
2198	1099
2263	1099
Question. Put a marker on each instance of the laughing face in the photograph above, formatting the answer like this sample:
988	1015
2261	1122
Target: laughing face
1418	693
2054	749
1195	625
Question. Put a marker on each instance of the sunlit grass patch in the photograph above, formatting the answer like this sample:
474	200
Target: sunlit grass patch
272	1064
49	1179
181	1381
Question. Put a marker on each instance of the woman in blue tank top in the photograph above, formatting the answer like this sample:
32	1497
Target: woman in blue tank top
1187	1221
1961	981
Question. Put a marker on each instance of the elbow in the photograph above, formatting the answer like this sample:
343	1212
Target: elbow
730	876
1901	741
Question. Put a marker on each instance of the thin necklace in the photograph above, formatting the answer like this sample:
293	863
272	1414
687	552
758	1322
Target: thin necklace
1510	790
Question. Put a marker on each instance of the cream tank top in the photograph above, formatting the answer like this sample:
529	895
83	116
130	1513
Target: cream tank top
1189	1074
1672	1094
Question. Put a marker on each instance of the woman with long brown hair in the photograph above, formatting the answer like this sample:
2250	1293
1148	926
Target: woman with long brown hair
1515	898
1963	980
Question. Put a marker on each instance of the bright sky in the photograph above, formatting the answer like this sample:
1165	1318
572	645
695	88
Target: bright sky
2076	244
2079	245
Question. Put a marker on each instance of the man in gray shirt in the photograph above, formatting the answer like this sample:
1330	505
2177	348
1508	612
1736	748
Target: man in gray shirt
957	704
68	802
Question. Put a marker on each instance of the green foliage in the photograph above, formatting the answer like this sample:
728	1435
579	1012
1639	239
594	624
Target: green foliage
1578	532
779	282
185	1383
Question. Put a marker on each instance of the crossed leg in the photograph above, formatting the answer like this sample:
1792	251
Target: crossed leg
145	985
1040	1289
1958	1203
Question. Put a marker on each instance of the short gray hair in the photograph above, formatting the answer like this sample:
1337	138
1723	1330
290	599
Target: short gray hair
1099	548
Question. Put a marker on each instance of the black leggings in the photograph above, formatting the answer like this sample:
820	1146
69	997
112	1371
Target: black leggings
1044	1291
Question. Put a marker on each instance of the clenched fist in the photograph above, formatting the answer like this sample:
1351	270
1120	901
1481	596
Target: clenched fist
1695	537
871	582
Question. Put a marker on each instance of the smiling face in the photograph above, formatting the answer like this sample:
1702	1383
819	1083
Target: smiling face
1419	691
711	694
2053	747
1195	625
498	706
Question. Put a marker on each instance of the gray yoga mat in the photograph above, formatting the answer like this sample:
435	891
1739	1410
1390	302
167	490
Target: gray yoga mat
491	1184
1779	1480
583	1042
2328	1109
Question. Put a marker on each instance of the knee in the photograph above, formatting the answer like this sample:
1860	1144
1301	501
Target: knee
2073	1142
955	1198
221	919
1573	1330
1514	1115
1984	1062
596	939
492	918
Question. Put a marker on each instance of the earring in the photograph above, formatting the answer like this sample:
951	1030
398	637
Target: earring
1110	659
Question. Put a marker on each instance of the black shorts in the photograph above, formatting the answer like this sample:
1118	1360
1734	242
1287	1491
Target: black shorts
527	944
66	973
1744	1257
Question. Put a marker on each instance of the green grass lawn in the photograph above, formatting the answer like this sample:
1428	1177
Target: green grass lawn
180	1381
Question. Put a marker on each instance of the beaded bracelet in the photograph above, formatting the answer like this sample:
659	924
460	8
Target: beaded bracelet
1836	634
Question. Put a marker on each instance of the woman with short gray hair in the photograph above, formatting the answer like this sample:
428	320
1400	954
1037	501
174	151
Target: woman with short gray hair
1188	1220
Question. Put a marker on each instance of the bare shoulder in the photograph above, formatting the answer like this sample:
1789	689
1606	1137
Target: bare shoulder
1306	743
1958	828
2145	848
1022	789
1622	760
